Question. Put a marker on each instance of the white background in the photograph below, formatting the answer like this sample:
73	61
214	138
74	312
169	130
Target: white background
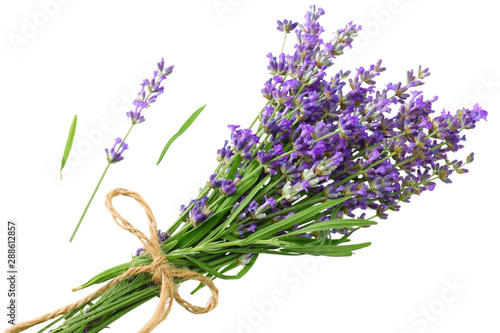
88	58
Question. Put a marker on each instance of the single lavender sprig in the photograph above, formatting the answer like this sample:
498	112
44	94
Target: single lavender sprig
150	90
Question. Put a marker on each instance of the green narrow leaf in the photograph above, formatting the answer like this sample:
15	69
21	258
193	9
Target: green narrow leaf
229	267
220	230
288	222
69	144
197	233
332	224
327	250
302	241
105	275
234	167
169	245
220	275
183	129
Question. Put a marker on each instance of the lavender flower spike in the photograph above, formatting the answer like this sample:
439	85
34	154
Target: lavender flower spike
116	156
150	91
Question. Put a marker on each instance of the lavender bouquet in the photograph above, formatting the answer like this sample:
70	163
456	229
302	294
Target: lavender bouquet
322	154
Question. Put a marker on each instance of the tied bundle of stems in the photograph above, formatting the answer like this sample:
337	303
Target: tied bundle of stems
321	154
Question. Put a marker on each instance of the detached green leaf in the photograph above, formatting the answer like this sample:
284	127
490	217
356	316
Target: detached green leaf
181	131
69	144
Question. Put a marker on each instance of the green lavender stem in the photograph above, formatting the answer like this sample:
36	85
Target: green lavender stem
284	40
97	187
90	201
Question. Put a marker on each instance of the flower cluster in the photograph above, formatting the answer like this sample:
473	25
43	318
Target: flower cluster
323	138
150	90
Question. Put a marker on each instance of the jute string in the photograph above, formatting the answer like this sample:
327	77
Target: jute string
163	274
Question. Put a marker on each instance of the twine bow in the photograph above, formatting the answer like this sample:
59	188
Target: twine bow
162	272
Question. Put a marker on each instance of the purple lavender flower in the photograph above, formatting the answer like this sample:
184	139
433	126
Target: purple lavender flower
214	183
252	206
196	215
243	141
199	212
163	236
140	251
264	158
227	187
468	118
269	203
150	90
277	66
116	156
242	231
290	168
135	116
225	153
286	25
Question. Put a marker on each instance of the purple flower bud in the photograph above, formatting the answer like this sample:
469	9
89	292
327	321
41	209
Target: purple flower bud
227	187
277	66
116	156
162	236
214	183
199	212
260	212
243	141
225	153
252	207
139	252
286	25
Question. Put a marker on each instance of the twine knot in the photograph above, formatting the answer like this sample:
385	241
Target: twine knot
162	272
157	267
